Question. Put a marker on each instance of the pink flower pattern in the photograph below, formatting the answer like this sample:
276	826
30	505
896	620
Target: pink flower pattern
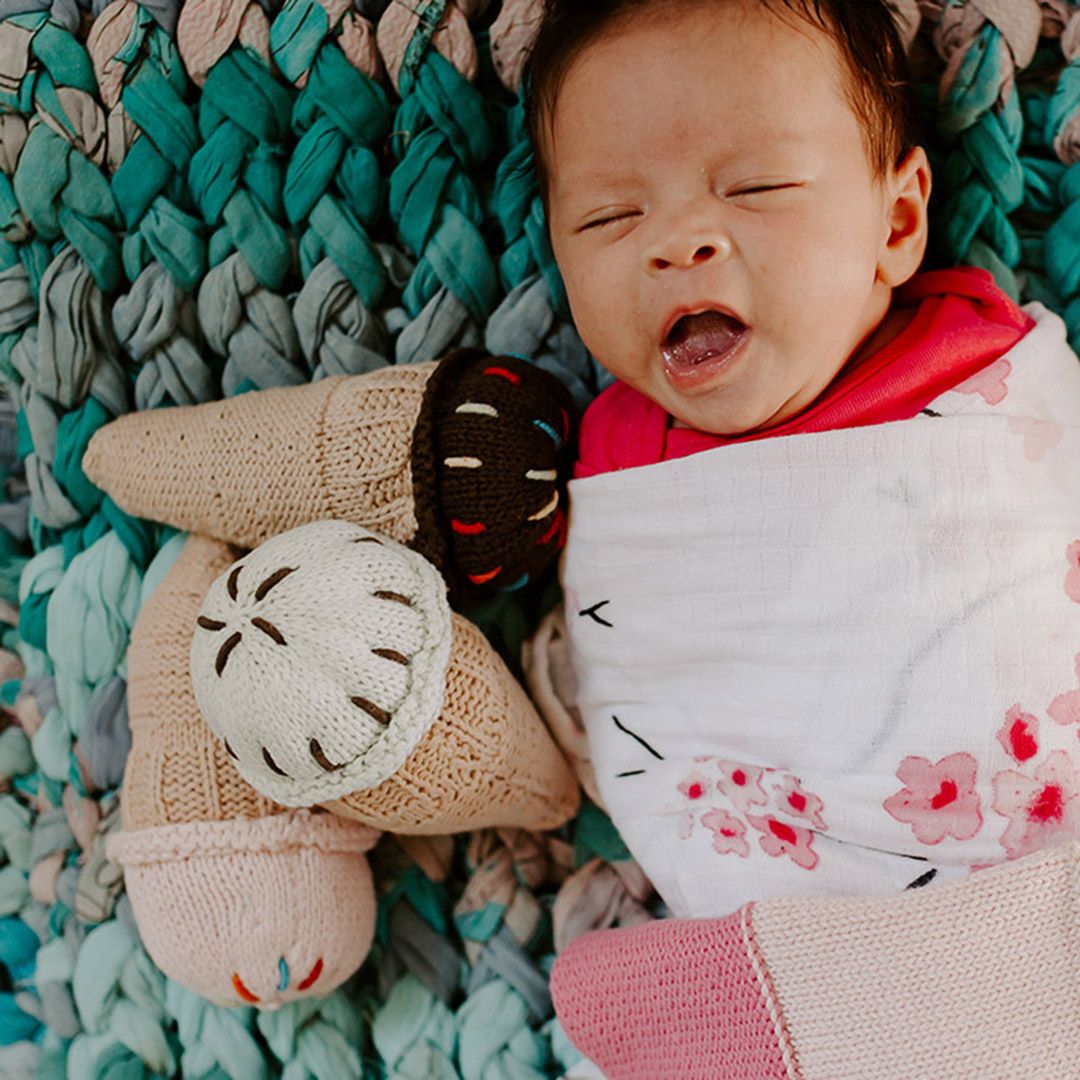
742	785
778	838
795	800
1072	578
937	800
989	383
1019	735
1039	435
695	786
729	833
1043	810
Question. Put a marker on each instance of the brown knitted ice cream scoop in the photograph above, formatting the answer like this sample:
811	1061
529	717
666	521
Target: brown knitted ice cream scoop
328	662
463	459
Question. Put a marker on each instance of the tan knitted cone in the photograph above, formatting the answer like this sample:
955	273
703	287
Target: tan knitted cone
249	467
177	771
487	761
235	897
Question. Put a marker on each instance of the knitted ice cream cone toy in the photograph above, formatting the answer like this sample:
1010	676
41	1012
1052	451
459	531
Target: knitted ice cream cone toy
463	459
328	662
239	899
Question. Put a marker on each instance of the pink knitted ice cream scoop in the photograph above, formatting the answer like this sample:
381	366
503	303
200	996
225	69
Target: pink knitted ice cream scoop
328	662
464	459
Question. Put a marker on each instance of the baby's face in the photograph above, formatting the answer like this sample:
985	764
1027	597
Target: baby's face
708	161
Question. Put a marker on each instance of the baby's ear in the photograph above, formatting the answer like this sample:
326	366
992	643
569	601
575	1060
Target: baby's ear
908	192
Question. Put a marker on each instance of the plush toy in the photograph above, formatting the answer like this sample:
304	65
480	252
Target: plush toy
237	898
327	661
461	459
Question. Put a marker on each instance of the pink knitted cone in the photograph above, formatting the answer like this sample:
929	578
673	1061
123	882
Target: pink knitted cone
235	897
975	979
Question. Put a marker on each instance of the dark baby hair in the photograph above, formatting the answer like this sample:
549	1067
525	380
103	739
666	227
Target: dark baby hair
878	82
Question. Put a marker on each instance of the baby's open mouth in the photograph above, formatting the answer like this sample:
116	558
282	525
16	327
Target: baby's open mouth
700	346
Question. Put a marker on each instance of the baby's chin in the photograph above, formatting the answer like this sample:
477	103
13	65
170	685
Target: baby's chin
726	418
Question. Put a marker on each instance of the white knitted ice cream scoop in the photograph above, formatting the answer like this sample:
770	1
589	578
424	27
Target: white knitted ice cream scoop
320	659
329	664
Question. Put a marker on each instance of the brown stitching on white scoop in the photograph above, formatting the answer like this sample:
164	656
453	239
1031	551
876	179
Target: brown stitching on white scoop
223	652
272	580
392	654
318	754
367	540
269	629
373	710
233	582
397	598
273	764
209	624
230	751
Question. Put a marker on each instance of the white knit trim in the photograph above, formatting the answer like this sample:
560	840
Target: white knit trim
340	643
780	1030
290	831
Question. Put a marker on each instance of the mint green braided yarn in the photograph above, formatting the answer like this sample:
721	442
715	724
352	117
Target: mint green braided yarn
316	1038
217	1042
415	1034
495	1039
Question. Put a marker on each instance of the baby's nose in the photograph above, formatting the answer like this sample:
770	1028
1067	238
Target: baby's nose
687	248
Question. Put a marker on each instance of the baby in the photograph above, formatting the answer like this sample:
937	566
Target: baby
819	661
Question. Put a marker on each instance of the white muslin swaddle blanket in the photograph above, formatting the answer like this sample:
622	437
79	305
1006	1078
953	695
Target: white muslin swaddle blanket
843	662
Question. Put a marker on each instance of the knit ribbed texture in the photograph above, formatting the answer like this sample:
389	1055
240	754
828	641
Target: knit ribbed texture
249	467
976	980
487	761
320	658
685	999
235	897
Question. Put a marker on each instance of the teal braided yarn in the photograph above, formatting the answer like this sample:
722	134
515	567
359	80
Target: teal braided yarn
65	199
18	947
520	213
143	82
441	134
58	180
983	176
334	189
236	178
1062	238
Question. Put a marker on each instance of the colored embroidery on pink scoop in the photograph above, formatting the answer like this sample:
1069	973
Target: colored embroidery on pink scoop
937	800
1044	810
989	383
1019	735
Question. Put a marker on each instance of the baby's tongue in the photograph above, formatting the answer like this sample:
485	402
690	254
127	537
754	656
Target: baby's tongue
696	338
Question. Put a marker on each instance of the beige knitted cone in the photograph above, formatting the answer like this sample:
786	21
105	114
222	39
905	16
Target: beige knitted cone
487	761
249	467
235	897
330	665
